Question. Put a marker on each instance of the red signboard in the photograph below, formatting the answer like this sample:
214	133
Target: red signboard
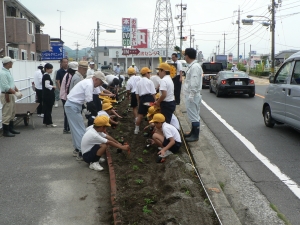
143	37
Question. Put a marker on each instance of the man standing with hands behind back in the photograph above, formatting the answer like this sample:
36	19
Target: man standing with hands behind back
192	91
8	93
177	80
59	77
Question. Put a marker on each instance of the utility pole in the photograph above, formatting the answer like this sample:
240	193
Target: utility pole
224	43
60	24
249	61
77	45
273	37
98	28
244	52
94	44
219	48
183	7
238	23
190	38
181	30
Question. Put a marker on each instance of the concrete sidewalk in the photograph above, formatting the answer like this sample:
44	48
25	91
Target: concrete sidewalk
41	183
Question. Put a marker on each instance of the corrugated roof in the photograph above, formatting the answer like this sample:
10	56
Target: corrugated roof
285	54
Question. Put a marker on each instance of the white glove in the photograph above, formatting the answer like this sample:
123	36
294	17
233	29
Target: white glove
18	95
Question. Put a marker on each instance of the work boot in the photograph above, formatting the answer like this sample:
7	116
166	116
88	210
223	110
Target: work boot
6	132
188	134
11	128
194	133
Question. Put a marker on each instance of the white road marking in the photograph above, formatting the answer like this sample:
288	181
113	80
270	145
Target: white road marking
292	185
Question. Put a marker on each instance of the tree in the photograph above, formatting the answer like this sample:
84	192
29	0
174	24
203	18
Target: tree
177	49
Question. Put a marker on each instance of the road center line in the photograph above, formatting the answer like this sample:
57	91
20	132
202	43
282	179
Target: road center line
292	185
260	96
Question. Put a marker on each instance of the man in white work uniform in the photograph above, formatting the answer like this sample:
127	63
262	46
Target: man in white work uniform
192	92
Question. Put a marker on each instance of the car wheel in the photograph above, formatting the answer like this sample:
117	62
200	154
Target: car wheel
217	92
269	121
210	89
251	95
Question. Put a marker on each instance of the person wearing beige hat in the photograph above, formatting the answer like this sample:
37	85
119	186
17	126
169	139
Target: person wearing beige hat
80	94
8	93
65	89
80	74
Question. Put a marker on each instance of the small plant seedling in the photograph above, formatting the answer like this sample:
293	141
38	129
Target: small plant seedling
135	167
148	201
222	185
139	181
145	151
187	192
146	210
140	160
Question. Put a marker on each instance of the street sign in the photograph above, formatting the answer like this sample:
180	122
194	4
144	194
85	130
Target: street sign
56	52
126	38
130	51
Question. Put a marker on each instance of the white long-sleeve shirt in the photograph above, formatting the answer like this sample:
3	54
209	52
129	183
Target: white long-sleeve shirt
82	92
193	81
38	77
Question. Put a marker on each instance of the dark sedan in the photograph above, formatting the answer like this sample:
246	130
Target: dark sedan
227	82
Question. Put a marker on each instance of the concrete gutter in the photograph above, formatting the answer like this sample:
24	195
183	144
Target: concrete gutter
238	201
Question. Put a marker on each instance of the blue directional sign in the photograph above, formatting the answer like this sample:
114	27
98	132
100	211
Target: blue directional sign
56	52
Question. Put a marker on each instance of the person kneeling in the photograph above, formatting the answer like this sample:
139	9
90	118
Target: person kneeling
95	142
170	142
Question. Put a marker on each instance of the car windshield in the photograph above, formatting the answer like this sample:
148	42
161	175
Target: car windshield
228	74
212	67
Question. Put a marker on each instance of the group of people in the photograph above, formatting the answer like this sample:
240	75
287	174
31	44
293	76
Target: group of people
80	93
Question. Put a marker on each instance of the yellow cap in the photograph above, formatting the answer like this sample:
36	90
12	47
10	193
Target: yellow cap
158	117
101	121
152	110
131	71
145	70
163	66
106	106
105	101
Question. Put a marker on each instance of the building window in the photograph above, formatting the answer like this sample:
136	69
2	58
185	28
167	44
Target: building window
13	53
105	63
29	27
106	53
11	11
32	56
24	54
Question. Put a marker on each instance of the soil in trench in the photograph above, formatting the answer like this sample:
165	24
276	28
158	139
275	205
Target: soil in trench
150	193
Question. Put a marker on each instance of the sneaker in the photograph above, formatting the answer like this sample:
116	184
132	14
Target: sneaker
42	115
56	104
136	130
167	153
75	152
53	125
66	131
79	157
102	160
39	115
95	166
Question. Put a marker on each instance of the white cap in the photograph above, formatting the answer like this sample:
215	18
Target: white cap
118	64
73	65
42	64
92	63
7	59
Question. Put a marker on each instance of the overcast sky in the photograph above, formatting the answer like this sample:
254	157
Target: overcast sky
207	19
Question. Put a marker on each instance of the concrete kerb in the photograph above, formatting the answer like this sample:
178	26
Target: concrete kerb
225	211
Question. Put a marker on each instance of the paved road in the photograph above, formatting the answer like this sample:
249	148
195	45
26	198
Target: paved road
280	145
41	183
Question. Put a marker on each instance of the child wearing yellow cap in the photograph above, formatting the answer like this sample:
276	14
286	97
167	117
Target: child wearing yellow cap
95	141
170	142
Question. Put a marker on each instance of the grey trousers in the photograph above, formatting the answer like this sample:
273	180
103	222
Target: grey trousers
57	92
193	107
76	123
